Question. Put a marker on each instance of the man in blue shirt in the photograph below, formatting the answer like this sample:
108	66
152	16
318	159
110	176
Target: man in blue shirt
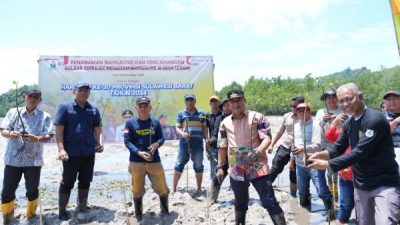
25	128
78	137
143	136
192	128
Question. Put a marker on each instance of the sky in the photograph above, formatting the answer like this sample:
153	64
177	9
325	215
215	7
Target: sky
260	38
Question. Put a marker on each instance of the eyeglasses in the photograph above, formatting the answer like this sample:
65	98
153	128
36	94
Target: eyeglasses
346	100
236	100
34	96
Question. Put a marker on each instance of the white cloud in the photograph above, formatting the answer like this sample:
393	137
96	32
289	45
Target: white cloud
207	30
176	6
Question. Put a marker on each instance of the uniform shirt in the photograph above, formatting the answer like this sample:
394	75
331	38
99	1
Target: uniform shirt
79	124
211	119
23	154
396	133
137	137
289	119
372	155
312	136
193	124
240	136
324	125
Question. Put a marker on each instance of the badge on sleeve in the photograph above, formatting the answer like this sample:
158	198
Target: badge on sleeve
369	133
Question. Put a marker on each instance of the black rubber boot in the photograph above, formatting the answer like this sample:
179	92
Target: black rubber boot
240	217
164	206
214	193
305	200
278	219
82	200
330	209
138	202
63	199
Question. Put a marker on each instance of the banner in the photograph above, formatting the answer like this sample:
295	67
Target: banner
395	5
116	83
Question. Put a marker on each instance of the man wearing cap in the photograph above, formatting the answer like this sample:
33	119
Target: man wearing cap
307	139
78	137
282	155
126	115
26	128
215	183
143	136
244	137
168	132
392	113
324	118
192	128
211	118
375	171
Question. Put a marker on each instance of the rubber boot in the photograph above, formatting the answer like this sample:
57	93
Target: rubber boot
279	219
164	206
214	193
293	189
330	209
138	202
82	200
63	199
305	200
240	217
31	209
8	212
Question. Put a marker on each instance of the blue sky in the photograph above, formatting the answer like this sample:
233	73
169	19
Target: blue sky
253	37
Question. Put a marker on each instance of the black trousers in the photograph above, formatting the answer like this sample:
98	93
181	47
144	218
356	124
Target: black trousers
81	167
282	157
12	177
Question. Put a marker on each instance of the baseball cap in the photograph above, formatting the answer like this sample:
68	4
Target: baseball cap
235	94
396	93
303	105
190	95
215	98
32	91
82	84
223	103
143	99
330	91
299	99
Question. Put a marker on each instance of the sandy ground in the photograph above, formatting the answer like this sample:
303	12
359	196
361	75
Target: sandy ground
111	199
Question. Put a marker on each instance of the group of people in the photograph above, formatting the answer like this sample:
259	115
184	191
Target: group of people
356	145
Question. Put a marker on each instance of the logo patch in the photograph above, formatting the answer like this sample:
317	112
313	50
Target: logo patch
369	133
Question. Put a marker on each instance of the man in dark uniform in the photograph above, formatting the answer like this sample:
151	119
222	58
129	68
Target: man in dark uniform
78	137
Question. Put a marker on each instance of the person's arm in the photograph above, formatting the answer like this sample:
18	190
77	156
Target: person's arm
7	130
179	127
264	132
159	138
60	121
48	130
214	136
394	124
278	135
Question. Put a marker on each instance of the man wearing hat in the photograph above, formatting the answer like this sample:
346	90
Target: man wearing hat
307	139
215	183
126	115
143	136
78	137
282	156
191	126
244	137
392	113
324	118
211	118
375	171
26	128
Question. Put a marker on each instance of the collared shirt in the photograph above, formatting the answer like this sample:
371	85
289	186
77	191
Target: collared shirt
20	153
240	136
79	124
312	136
193	123
324	125
396	133
289	119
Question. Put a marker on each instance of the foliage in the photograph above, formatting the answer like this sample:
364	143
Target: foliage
273	95
7	100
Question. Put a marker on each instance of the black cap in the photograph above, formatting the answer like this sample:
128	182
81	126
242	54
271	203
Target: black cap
127	112
236	93
330	91
32	91
223	103
395	93
162	116
298	99
143	99
82	84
